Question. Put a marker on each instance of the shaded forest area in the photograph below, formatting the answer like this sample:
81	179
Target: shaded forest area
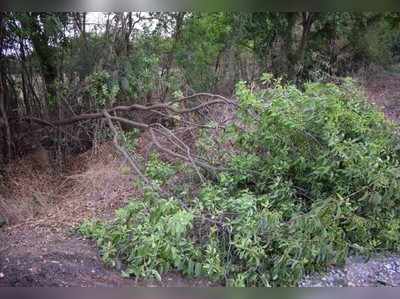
55	66
237	149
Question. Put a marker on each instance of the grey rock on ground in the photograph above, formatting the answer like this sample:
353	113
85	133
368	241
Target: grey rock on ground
359	272
2	221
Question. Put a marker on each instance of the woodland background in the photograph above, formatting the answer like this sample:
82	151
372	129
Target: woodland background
55	66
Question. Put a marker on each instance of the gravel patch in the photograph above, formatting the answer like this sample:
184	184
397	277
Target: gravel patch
359	272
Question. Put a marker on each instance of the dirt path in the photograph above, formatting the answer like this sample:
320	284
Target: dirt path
41	250
40	257
44	250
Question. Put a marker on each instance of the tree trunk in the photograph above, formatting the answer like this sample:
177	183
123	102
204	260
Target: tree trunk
170	58
288	45
7	143
308	19
295	55
44	52
4	124
24	83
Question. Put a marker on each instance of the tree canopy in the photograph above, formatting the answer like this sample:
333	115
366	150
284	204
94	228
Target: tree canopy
57	65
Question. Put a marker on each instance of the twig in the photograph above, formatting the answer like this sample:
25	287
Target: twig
201	164
123	151
187	152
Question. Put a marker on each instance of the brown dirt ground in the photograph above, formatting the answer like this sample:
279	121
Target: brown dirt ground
383	89
39	246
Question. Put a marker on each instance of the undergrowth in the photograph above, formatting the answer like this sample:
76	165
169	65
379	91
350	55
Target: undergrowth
314	178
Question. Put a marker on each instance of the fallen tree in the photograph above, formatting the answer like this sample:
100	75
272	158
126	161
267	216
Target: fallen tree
136	107
169	110
313	178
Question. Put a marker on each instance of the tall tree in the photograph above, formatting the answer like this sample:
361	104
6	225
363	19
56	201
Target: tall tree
45	31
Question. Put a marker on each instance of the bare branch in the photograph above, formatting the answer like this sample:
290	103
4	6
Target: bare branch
155	107
131	161
205	166
187	149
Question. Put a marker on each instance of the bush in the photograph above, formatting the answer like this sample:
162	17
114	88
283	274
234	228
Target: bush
148	235
317	179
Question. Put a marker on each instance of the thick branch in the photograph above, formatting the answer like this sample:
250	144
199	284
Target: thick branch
155	107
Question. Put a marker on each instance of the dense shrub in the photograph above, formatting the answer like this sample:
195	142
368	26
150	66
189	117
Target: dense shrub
317	179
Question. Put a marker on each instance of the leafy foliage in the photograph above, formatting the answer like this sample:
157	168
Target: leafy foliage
102	88
130	139
156	226
158	170
139	72
315	178
204	38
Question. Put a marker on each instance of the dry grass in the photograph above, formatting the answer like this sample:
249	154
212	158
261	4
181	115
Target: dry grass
383	89
27	191
95	184
104	185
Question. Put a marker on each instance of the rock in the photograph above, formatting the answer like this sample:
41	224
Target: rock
118	265
359	271
3	221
